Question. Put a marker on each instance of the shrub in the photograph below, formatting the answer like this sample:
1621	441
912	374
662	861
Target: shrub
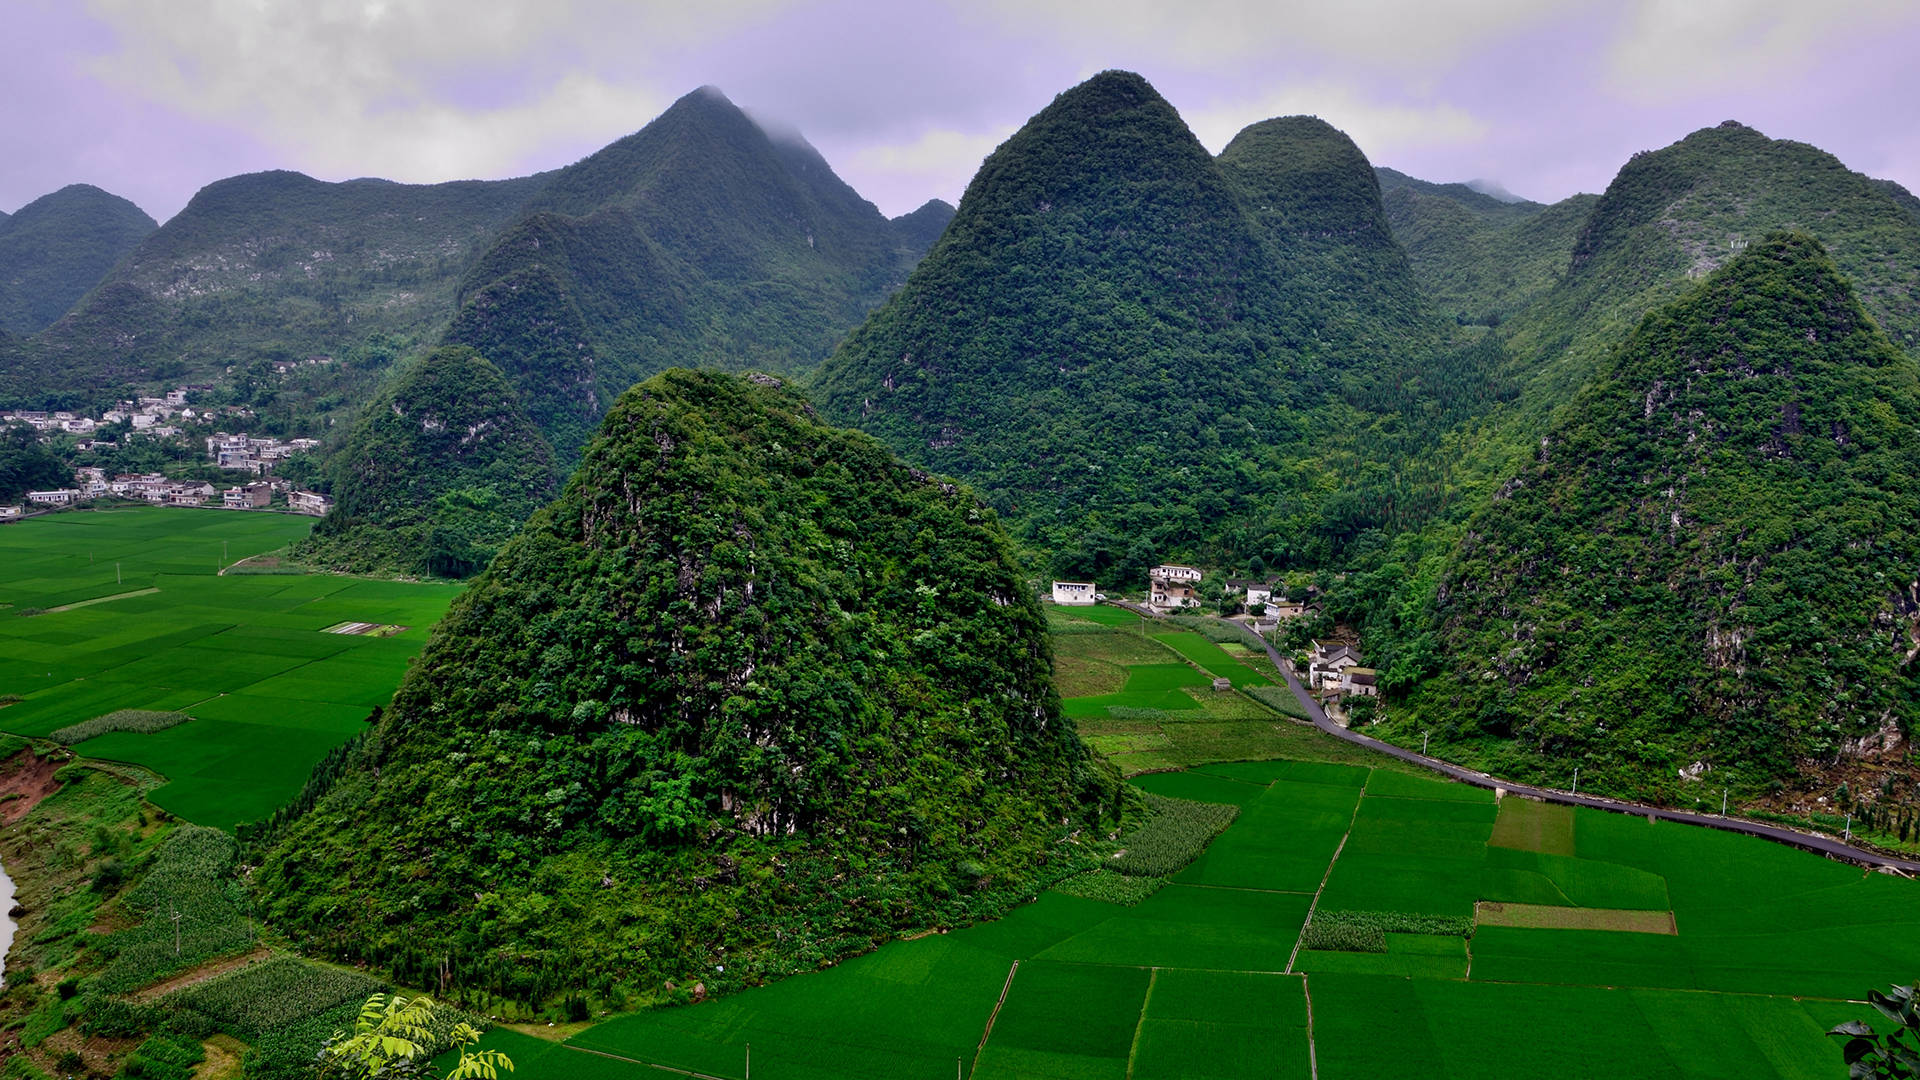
1110	887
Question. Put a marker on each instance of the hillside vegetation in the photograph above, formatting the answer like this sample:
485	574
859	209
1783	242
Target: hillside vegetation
1710	558
57	247
443	466
1127	343
750	696
1477	259
274	266
700	240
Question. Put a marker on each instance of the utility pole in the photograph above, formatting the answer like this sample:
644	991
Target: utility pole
749	1061
1723	802
176	927
1849	828
116	573
1424	736
1576	779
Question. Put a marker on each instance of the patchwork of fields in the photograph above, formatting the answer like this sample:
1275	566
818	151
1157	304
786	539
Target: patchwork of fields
126	610
1629	948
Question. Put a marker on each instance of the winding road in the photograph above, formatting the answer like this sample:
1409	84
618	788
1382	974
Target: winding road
1814	842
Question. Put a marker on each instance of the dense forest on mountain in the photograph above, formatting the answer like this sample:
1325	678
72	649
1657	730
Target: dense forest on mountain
1131	346
271	266
751	695
700	240
56	247
1709	558
920	228
1478	259
1675	214
442	468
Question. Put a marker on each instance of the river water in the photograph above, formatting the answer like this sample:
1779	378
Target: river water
6	921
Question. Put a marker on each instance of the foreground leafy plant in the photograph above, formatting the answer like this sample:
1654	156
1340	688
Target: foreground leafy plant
1890	1055
394	1035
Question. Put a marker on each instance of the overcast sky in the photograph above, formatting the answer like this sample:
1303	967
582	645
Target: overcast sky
152	99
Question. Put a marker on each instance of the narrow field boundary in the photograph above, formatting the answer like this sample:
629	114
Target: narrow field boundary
1140	1025
1555	917
100	600
1331	863
1005	989
1313	1054
646	1064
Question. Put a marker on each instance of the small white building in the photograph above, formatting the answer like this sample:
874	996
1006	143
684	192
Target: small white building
1170	586
1077	593
309	502
1360	682
1328	663
56	497
11	513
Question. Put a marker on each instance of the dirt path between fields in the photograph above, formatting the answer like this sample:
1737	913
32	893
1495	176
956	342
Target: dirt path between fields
200	974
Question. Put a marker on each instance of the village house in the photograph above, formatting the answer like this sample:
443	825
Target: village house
247	497
309	502
1074	592
1327	665
1360	682
11	513
1170	586
189	493
55	497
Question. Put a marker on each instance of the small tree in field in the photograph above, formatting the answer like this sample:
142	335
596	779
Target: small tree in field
392	1039
1893	1054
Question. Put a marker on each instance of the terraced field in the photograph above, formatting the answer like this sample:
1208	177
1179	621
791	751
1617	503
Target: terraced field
126	610
1646	949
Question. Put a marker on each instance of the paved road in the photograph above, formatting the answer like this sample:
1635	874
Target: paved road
1823	845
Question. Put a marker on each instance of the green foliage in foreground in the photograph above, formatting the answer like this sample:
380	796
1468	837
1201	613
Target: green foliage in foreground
1710	557
750	696
1176	834
443	466
1366	931
1889	1054
141	721
395	1036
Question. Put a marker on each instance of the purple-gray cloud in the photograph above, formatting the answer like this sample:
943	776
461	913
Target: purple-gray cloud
1546	97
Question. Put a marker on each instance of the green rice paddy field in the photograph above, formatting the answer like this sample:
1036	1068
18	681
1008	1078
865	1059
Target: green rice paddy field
1761	948
125	609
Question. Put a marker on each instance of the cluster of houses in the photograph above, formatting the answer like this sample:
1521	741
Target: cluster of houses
147	417
1334	669
253	453
158	488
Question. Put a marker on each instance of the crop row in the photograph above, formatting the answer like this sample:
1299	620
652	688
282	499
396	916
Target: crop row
138	721
1366	931
1176	834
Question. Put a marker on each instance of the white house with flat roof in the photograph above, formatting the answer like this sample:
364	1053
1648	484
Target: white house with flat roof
1074	592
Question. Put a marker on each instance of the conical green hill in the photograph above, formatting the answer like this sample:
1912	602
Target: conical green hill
751	695
1711	557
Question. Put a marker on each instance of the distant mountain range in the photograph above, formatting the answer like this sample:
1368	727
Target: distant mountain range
1280	356
57	247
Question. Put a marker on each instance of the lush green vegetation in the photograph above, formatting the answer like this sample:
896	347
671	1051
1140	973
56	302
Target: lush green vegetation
1476	258
147	625
750	696
699	241
1706	560
1112	308
57	247
443	466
